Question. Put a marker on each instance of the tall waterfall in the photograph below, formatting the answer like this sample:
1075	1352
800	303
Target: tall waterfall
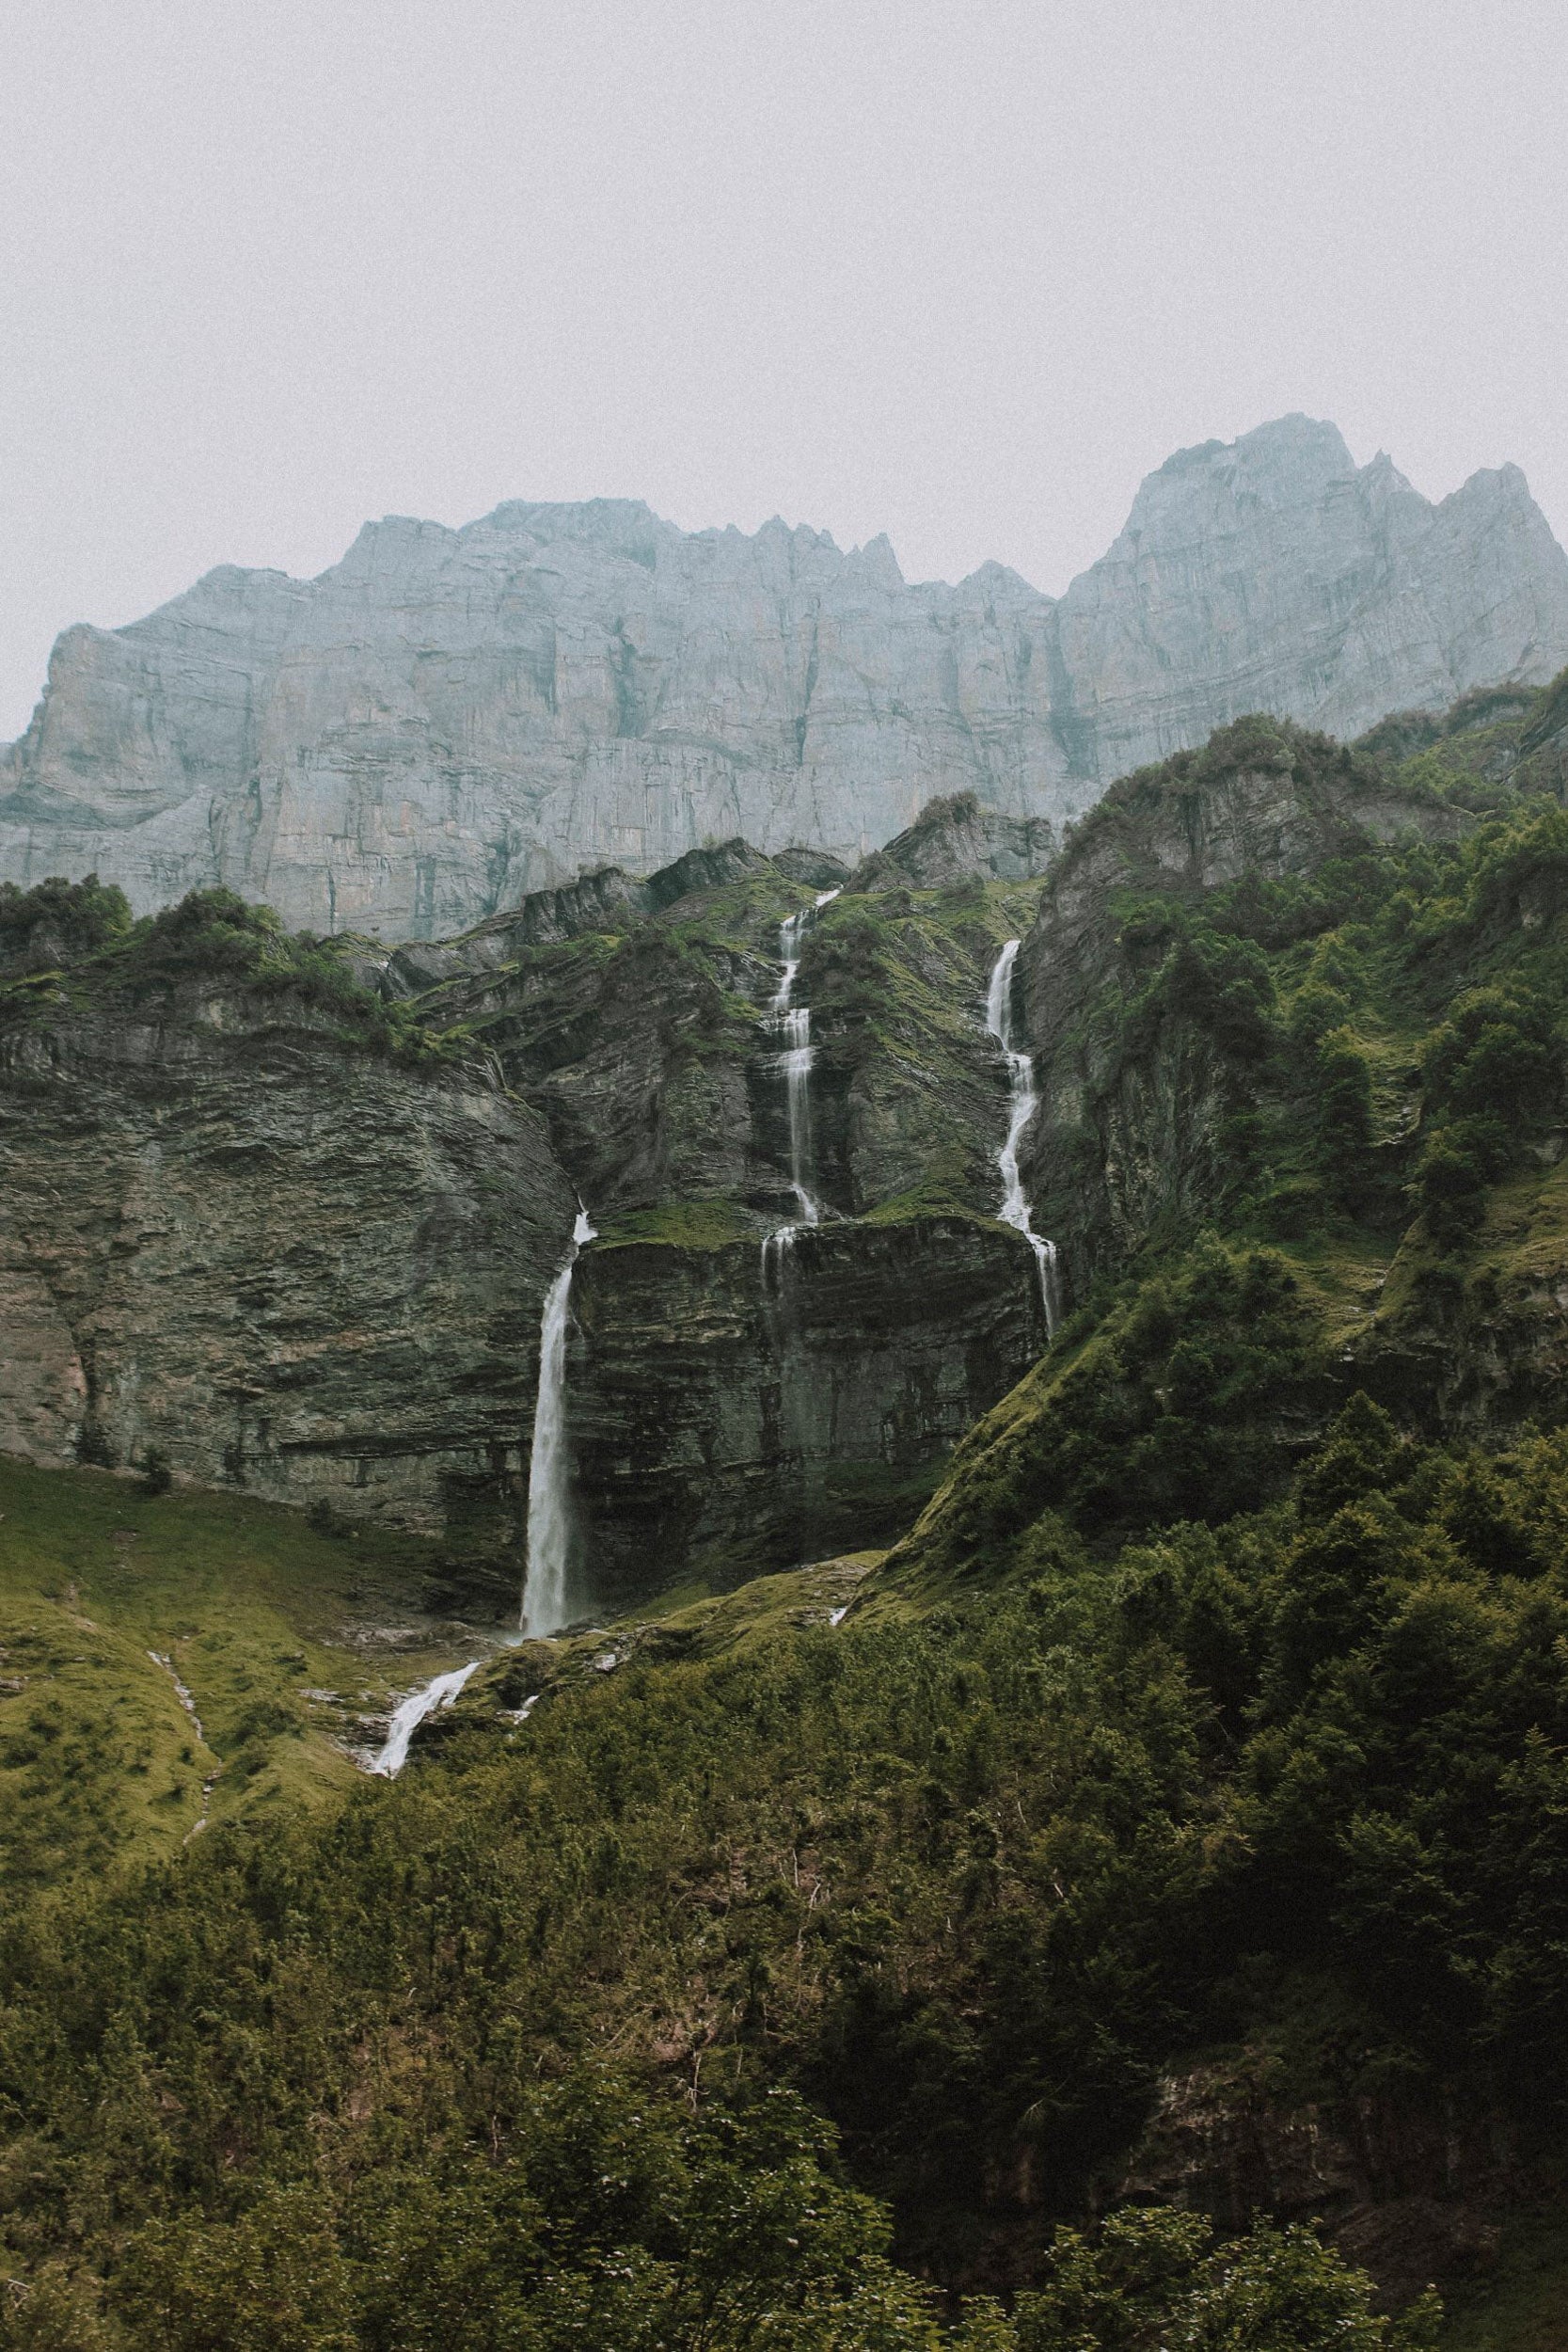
791	1023
1024	1104
550	1500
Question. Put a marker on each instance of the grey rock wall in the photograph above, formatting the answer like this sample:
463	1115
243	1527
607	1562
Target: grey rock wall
292	1267
729	1424
448	720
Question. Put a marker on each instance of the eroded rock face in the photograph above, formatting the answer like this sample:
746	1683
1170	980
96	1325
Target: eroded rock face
300	1246
1271	574
289	1264
1407	2193
449	719
951	840
726	1414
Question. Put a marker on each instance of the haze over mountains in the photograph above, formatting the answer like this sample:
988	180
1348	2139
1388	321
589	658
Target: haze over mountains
449	718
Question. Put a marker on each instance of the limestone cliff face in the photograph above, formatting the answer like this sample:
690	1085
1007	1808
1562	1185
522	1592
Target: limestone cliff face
448	720
724	1413
299	1241
1270	574
288	1264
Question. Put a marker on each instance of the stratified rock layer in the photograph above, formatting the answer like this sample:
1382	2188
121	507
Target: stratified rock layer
283	1262
447	720
289	1216
720	1417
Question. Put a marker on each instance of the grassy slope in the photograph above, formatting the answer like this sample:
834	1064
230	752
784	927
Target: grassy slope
1520	2302
255	1612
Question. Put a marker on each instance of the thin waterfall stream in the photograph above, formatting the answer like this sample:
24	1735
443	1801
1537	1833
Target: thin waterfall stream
546	1608
1024	1103
411	1714
791	1023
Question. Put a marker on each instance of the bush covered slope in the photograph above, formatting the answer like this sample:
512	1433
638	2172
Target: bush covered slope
978	1885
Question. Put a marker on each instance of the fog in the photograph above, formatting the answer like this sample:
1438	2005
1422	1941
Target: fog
961	274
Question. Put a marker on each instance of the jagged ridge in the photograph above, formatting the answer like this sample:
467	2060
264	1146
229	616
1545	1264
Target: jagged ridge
450	719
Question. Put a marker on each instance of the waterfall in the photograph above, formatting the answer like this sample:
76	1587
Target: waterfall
1023	1105
411	1714
549	1498
791	1023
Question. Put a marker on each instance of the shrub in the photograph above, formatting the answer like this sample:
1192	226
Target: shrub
1157	2278
1457	1164
1343	1093
57	920
1496	1056
157	1476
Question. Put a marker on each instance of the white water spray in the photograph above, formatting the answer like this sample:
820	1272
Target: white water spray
791	1024
411	1714
1024	1104
549	1498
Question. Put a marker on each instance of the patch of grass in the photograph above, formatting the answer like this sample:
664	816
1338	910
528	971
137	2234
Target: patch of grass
682	1224
934	1197
1521	2303
691	1625
252	1610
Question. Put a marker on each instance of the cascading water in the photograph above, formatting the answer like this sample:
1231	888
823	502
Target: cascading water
550	1500
791	1024
411	1714
1024	1104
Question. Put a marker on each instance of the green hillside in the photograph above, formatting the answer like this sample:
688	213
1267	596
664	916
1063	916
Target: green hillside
111	1597
1128	1912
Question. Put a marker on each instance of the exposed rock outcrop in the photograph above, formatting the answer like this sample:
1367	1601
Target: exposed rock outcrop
1406	2193
315	1199
286	1262
448	720
723	1418
952	839
1124	1142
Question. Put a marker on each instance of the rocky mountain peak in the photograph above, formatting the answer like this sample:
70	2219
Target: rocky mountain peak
449	719
1289	461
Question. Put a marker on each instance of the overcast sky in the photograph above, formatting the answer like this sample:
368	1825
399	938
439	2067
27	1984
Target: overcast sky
961	272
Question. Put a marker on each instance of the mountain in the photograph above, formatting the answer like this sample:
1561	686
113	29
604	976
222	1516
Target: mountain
1129	1910
447	720
317	1193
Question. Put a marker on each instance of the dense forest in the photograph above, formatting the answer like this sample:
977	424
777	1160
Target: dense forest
1135	1917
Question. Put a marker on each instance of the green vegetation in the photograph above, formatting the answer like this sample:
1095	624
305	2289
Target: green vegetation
909	1089
107	1594
72	945
1347	1062
963	1882
1479	754
805	1966
1183	1400
682	1224
1158	2279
